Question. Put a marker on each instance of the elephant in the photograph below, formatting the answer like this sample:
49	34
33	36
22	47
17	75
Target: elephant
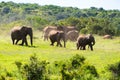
57	36
72	35
107	37
46	31
84	40
20	33
67	28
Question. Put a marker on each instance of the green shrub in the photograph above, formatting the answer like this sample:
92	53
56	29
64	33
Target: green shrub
5	75
77	69
115	69
34	70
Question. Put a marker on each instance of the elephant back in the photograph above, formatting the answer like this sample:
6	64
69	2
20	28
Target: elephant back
66	28
49	28
16	28
107	37
80	39
52	32
15	32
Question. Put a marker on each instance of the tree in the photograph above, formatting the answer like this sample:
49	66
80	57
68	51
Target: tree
6	10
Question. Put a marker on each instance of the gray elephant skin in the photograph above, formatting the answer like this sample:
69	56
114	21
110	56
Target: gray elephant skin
57	36
84	40
47	30
67	28
20	33
72	35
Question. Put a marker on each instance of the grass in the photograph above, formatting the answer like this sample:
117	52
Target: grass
105	52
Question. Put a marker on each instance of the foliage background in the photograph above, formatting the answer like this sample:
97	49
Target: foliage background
93	20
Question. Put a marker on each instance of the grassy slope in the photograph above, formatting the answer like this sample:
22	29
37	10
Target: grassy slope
105	52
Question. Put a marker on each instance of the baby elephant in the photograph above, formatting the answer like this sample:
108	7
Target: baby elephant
57	36
83	40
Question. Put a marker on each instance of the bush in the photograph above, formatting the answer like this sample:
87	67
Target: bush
77	69
115	69
34	70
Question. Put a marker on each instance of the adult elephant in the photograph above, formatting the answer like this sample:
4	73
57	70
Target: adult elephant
57	36
20	33
83	40
46	31
72	35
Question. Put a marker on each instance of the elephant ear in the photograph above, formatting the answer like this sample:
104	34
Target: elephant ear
89	36
23	28
58	33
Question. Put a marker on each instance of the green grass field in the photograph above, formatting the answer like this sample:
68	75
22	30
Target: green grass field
105	52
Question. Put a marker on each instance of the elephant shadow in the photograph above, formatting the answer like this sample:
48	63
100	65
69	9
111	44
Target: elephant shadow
28	46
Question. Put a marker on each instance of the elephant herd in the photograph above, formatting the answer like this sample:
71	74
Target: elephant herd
54	34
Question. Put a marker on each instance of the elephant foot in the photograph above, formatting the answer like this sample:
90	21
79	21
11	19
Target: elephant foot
77	48
60	45
51	44
21	44
91	49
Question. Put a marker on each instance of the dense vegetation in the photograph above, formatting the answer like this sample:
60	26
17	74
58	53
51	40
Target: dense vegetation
92	20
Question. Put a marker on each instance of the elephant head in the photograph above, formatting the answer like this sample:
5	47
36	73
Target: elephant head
91	39
83	40
20	33
57	36
27	31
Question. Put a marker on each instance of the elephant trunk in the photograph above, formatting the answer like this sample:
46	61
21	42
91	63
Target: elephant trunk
31	40
31	37
93	42
64	43
64	39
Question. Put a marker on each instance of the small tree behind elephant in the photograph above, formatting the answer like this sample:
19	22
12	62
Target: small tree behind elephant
20	33
57	36
84	40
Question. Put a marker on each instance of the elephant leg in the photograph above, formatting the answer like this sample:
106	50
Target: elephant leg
81	48
91	47
24	41
44	38
47	38
52	43
77	46
59	43
17	41
84	48
13	41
